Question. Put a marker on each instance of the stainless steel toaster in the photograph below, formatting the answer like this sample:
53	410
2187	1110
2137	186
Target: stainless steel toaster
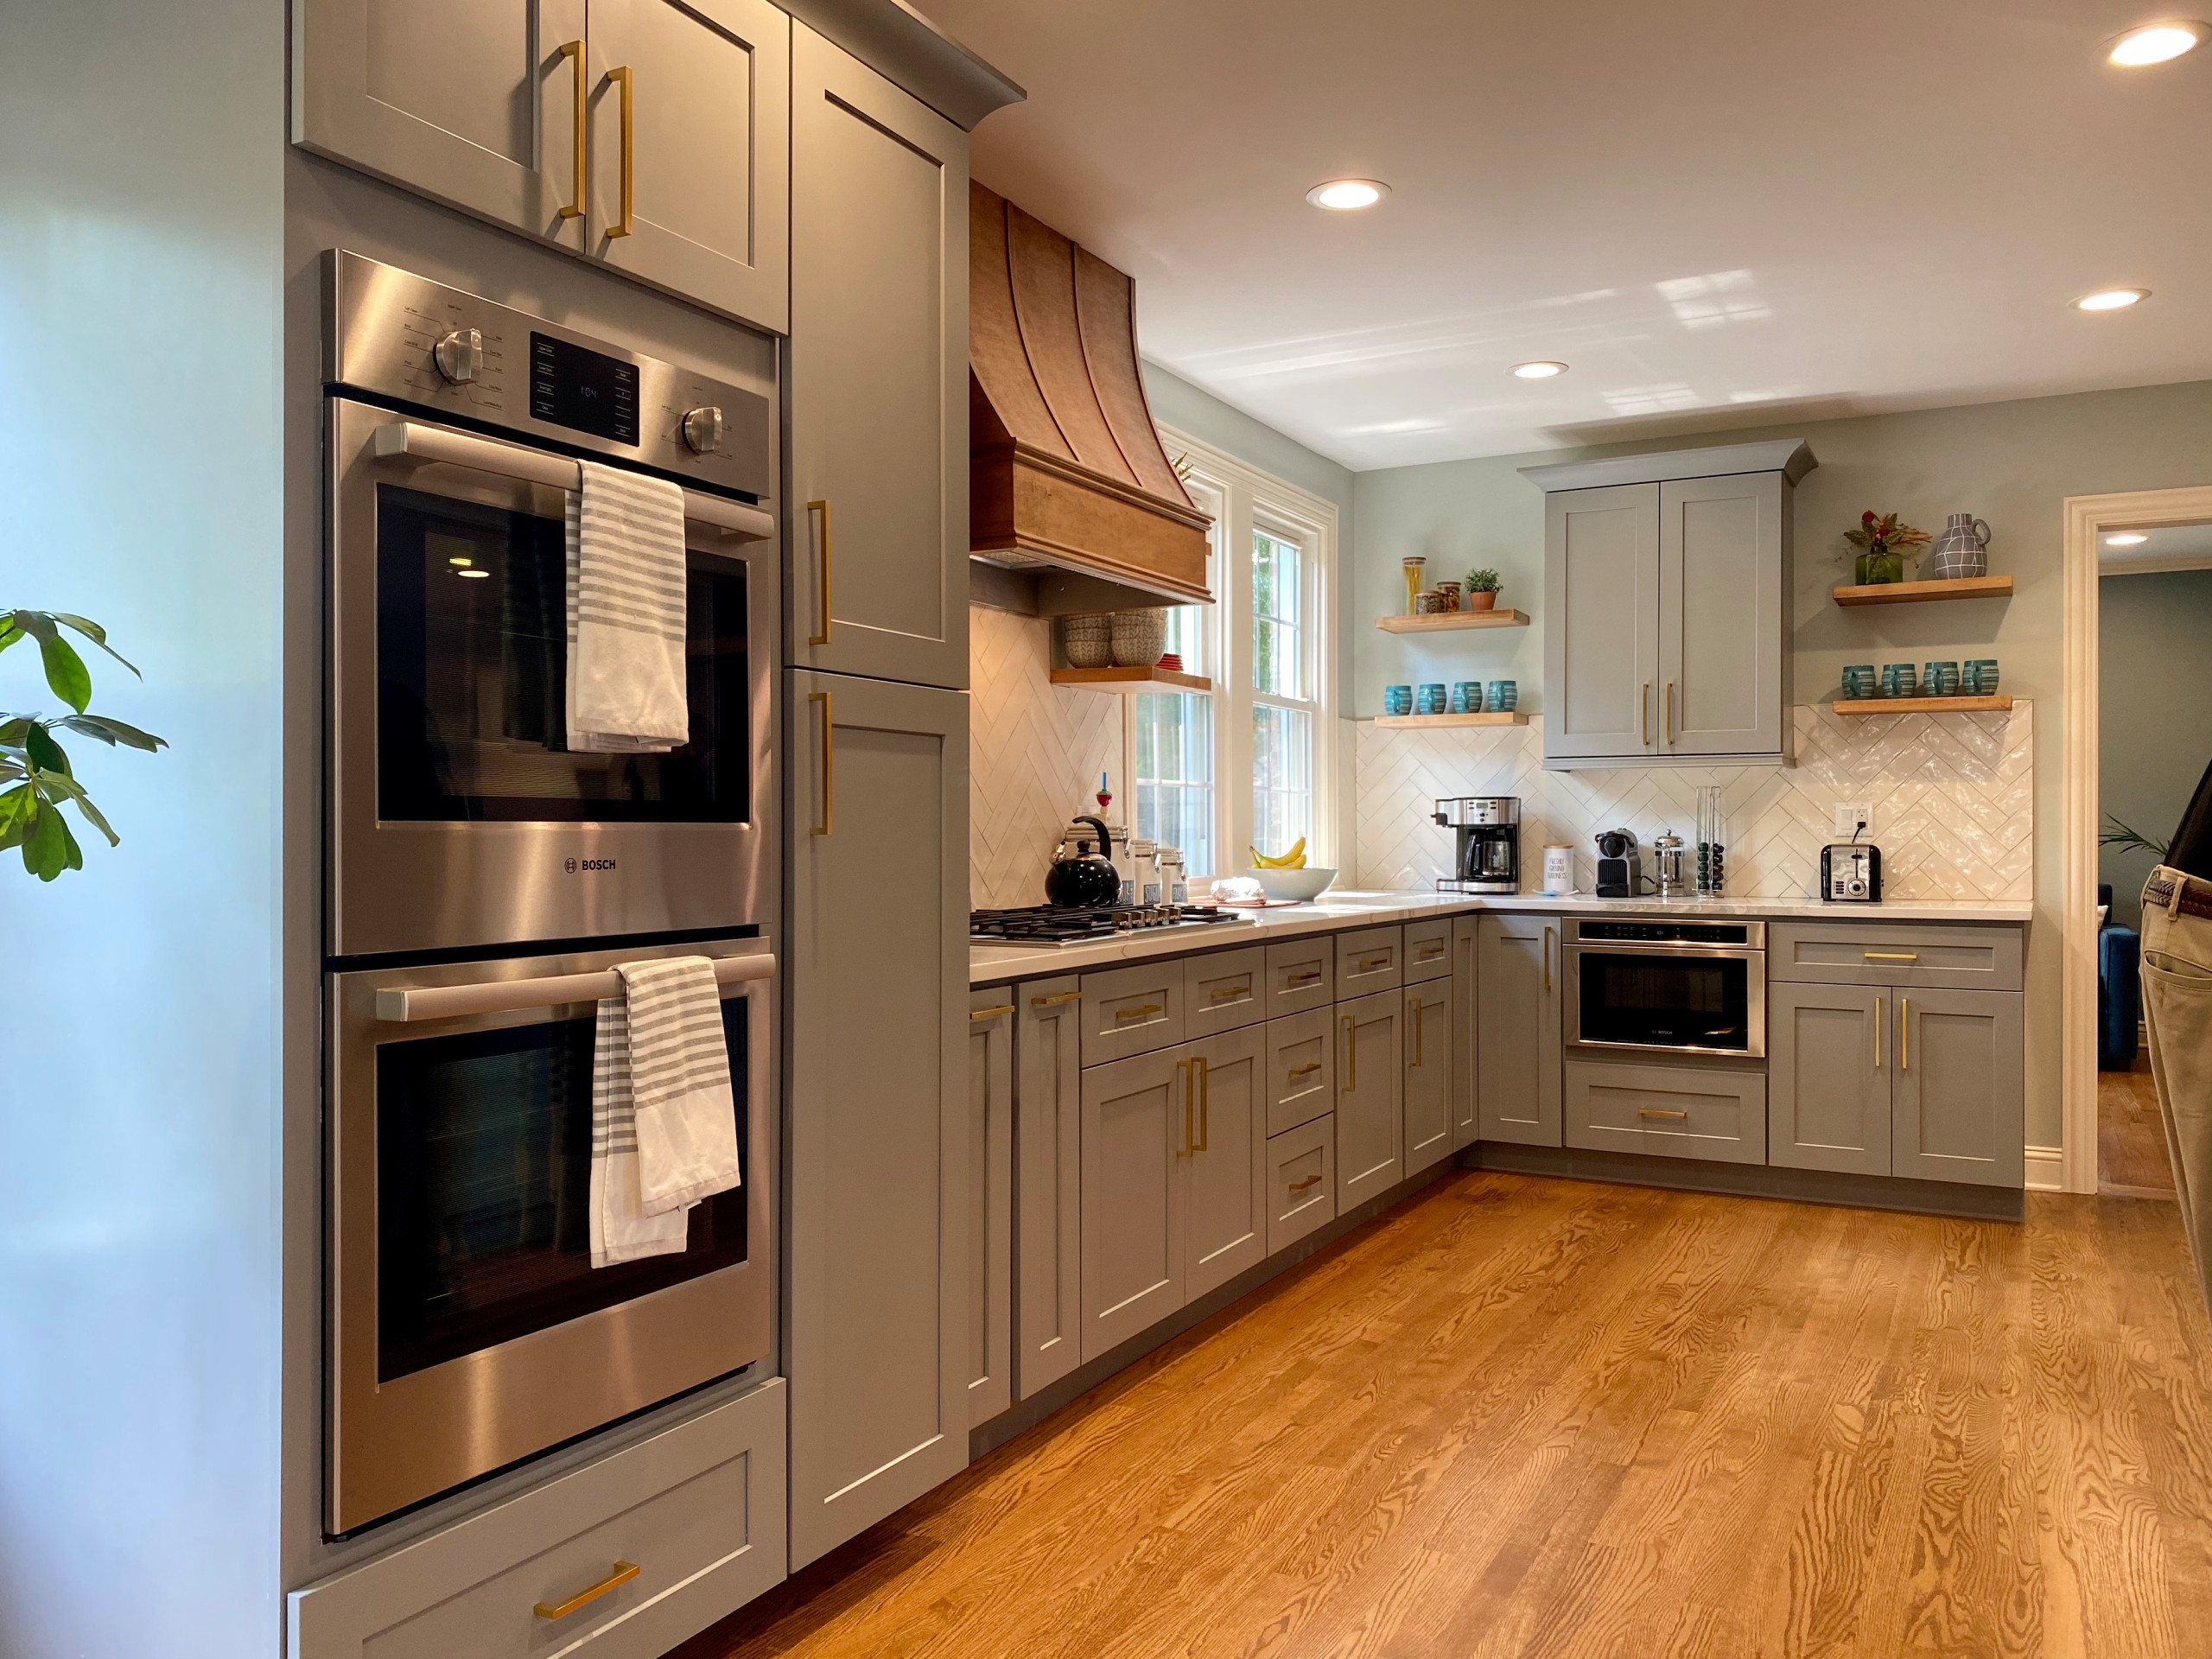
1851	874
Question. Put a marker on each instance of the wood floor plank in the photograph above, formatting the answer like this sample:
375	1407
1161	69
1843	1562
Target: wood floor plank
1534	1418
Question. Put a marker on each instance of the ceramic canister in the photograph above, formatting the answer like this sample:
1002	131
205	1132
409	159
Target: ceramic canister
1559	869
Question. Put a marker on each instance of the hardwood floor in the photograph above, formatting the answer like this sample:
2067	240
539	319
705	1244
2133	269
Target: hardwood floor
1529	1417
2131	1140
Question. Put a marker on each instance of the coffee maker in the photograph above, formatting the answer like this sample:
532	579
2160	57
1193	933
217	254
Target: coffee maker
1486	843
1620	865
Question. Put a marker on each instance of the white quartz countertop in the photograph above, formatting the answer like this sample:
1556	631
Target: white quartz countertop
1335	911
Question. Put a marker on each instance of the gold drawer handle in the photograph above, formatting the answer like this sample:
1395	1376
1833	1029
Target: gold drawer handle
627	79
1135	1014
823	507
1229	991
1303	979
1368	964
990	1014
1299	1186
575	209
1431	954
1891	955
1303	1071
624	1571
1054	1001
1660	1111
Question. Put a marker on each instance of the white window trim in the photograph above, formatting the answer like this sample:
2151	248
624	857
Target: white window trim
1251	497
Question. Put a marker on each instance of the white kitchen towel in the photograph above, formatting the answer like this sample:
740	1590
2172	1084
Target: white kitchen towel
626	613
663	1116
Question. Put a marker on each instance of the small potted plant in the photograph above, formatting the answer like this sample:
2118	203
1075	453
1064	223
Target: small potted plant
37	779
1884	543
1481	589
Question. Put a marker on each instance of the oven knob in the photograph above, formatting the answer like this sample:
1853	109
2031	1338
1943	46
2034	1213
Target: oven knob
459	354
702	428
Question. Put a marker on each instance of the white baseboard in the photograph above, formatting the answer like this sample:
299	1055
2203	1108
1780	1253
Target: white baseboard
2045	1165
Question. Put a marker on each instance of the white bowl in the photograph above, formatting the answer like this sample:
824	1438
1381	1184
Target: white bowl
1303	885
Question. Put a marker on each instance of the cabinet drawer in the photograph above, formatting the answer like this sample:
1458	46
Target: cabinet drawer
1301	1181
1429	948
1225	989
1667	1111
1301	973
1946	954
1132	1010
1372	959
697	1511
1301	1068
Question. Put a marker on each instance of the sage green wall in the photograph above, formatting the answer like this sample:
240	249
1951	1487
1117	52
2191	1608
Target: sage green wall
2012	463
2154	713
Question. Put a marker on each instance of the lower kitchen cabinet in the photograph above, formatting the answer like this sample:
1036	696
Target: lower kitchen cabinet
1301	1069
876	1009
1371	1096
1466	943
1710	1112
1132	1201
1959	1110
1048	1191
990	1202
1225	1160
1828	1078
1301	1181
1517	1025
1427	1106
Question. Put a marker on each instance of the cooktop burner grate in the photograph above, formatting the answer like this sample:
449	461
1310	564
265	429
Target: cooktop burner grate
1077	925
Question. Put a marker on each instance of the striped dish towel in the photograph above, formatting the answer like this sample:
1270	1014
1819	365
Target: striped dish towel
626	613
664	1119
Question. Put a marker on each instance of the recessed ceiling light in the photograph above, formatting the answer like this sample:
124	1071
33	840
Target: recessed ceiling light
2128	539
1344	194
1540	369
2156	43
2112	299
478	575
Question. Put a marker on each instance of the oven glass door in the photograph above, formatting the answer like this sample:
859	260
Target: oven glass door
483	1188
1650	998
471	675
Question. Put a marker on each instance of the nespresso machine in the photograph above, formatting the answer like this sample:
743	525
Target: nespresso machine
1620	865
1486	843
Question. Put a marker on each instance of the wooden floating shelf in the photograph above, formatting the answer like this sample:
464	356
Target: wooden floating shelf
1130	681
1444	621
1997	705
1908	592
1515	719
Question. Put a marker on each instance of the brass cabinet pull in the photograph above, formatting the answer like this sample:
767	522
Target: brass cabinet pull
1299	1186
1904	1033
1881	1019
1205	1104
1889	956
1548	958
1183	1070
575	49
1351	1055
1135	1014
828	768
1303	979
624	1571
990	1014
1368	965
1229	990
1055	1000
1430	955
624	77
821	507
1303	1071
1413	1002
1644	716
1660	1111
1670	714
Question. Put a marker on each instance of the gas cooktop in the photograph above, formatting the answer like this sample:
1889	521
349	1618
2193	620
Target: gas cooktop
1057	925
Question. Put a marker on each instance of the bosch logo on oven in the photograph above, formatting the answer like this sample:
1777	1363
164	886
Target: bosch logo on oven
587	865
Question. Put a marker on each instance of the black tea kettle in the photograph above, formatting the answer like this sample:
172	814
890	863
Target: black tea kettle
1086	879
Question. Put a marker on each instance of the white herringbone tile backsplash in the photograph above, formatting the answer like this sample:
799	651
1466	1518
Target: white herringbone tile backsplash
1954	798
1035	753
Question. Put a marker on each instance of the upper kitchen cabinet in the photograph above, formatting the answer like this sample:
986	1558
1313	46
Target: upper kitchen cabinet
691	124
878	376
651	136
1666	607
476	105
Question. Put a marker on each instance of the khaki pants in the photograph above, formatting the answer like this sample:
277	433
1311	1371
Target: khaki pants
2177	1007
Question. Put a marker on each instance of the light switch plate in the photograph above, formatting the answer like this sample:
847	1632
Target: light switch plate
1849	814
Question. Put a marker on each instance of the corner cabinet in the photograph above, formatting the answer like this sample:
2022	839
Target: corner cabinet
1667	592
877	1104
644	135
878	375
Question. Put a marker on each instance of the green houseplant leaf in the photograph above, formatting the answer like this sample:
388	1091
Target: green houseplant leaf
37	779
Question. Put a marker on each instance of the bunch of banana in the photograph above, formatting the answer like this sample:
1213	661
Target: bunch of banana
1293	860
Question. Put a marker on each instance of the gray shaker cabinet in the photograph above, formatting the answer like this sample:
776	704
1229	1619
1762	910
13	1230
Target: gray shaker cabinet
878	375
1048	1188
1371	1094
1601	622
1724	595
1829	1051
877	1334
990	1201
1225	1166
1960	1101
1517	1024
1134	1114
1466	951
1427	1096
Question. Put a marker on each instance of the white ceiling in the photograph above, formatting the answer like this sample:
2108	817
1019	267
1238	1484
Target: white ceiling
2184	547
1724	213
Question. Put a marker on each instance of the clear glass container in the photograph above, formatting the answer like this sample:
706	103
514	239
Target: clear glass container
1712	844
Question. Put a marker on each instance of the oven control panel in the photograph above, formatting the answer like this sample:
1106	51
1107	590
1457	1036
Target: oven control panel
389	332
1655	933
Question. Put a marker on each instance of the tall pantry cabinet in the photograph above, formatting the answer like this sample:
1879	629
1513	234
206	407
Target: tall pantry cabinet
879	1334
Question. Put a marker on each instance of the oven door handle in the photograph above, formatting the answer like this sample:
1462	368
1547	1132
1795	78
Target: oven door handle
423	1002
415	441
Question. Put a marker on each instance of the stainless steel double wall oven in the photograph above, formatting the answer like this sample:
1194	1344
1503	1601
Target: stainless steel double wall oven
483	879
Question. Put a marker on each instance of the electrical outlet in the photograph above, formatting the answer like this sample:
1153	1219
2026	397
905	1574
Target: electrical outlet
1849	814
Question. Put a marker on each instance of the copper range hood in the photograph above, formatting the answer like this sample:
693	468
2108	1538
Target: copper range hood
1074	505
